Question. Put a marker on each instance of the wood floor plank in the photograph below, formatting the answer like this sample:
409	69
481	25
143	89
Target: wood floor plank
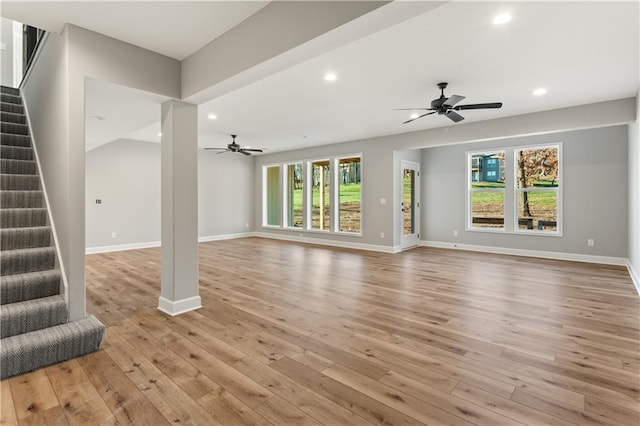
81	403
7	409
127	403
486	339
363	405
53	416
315	405
32	393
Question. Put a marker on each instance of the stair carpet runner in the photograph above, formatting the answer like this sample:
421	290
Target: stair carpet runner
34	327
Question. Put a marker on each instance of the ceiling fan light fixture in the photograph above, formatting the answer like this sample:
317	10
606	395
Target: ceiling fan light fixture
501	18
540	91
414	115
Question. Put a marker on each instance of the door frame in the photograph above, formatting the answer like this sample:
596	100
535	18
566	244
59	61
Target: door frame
412	240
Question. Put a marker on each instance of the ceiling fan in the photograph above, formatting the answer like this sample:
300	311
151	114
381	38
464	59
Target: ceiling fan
446	106
234	147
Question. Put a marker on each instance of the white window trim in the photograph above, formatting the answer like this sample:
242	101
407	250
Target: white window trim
511	192
557	190
334	161
471	190
265	209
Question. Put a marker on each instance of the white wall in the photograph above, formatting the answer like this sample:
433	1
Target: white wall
634	197
125	175
594	186
6	55
54	94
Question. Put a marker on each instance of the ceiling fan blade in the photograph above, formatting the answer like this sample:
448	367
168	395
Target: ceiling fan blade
454	99
243	152
252	150
219	149
222	152
413	119
478	106
413	109
454	116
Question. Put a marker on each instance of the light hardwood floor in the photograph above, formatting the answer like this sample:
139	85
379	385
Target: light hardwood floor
306	335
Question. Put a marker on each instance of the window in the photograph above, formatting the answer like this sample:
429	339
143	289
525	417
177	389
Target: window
531	184
295	184
486	189
272	196
536	189
314	195
349	194
320	195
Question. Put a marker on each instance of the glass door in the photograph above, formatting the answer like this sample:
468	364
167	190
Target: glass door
410	204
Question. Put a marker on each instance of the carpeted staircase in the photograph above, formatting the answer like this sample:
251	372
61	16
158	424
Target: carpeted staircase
34	331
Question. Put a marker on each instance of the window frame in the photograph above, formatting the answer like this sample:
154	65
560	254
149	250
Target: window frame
511	191
471	191
307	194
557	190
265	198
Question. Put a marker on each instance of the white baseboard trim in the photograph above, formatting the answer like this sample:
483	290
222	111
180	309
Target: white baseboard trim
333	243
122	247
225	237
606	260
634	277
135	246
178	307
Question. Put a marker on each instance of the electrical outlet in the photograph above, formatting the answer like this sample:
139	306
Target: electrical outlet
382	235
383	201
591	242
455	232
246	225
113	235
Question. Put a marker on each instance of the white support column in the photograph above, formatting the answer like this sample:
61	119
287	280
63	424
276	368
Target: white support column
179	283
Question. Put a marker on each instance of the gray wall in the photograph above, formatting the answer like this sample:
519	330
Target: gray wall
381	164
6	55
125	175
634	195
54	95
594	185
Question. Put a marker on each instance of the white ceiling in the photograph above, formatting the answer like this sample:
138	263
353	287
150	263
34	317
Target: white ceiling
582	52
174	29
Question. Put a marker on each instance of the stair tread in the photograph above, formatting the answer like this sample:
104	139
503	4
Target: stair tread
29	285
31	315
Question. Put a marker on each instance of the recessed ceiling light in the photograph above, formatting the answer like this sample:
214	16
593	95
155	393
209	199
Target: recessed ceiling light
414	115
539	91
330	76
159	134
212	116
502	18
98	117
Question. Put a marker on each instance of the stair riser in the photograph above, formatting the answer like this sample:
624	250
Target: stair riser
17	129
11	99
20	182
32	315
22	238
10	90
21	354
9	139
21	199
16	153
12	263
18	167
22	218
7	107
8	117
34	285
